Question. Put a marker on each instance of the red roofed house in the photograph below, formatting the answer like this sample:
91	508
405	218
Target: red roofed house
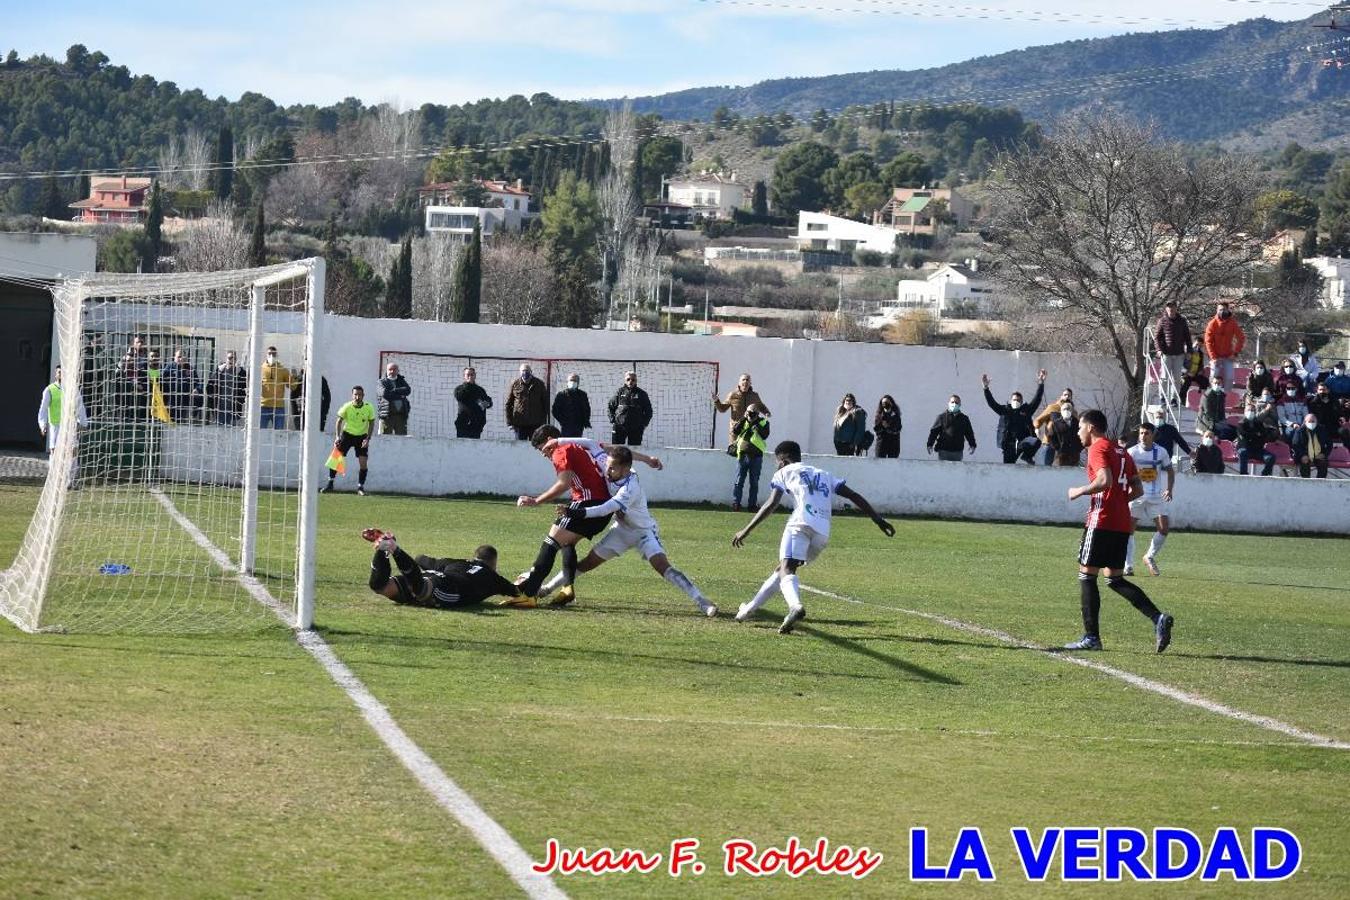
118	200
500	194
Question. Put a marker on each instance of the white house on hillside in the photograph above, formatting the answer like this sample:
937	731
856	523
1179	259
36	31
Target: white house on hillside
822	231
710	196
945	286
1335	274
458	221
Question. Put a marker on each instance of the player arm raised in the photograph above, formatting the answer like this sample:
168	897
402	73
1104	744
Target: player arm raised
641	457
769	506
860	501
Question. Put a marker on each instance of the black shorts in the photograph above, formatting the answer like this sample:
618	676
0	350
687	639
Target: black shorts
1101	549
348	442
573	521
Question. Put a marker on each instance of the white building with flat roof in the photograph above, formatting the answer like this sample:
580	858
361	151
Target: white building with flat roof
822	231
458	221
709	196
1335	274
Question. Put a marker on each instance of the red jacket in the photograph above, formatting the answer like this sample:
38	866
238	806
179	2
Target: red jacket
1224	338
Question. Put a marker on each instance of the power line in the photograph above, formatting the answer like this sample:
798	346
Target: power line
1108	81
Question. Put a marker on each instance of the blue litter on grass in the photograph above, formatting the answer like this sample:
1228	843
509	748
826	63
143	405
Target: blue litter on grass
114	569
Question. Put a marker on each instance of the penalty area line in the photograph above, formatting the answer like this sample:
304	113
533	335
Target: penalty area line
495	839
1138	681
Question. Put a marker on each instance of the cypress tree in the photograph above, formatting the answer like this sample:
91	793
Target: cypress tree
51	204
467	287
398	291
257	251
222	178
154	222
1308	248
759	199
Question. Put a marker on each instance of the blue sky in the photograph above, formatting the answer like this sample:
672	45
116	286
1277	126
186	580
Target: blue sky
455	51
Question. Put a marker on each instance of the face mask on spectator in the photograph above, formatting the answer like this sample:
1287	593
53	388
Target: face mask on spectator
1066	410
1157	420
1339	370
1303	349
1289	370
1224	313
1208	442
1250	414
953	407
1311	423
1216	388
1015	404
1260	370
574	384
1267	399
1291	392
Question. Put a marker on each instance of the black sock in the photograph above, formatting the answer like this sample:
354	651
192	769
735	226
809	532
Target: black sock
543	564
1133	593
361	478
379	571
569	564
1091	600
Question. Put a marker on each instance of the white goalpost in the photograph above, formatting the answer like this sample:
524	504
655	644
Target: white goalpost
189	501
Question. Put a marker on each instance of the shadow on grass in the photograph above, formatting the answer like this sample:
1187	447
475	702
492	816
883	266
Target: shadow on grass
893	662
505	647
1277	660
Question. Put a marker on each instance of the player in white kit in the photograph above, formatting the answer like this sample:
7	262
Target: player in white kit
808	528
1152	461
633	528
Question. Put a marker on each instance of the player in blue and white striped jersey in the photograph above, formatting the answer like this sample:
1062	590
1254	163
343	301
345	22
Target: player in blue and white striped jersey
633	528
807	531
1152	461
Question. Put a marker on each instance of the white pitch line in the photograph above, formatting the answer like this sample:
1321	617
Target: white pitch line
448	795
1139	681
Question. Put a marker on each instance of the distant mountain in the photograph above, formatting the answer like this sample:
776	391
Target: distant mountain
1227	84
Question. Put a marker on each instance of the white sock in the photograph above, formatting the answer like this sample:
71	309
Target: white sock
791	592
1156	544
681	581
1129	551
766	590
552	584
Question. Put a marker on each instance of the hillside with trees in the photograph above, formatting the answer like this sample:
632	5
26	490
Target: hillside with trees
1197	85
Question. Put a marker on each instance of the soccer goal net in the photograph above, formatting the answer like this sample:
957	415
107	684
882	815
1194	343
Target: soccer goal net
167	505
681	392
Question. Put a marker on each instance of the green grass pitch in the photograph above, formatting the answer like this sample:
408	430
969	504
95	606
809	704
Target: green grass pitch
228	764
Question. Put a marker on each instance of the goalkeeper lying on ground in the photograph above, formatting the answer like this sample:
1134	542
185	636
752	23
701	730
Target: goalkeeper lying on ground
436	583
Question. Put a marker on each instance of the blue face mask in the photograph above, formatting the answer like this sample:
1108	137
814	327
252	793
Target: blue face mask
953	407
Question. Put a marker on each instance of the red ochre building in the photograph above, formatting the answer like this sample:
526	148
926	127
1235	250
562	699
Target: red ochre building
118	201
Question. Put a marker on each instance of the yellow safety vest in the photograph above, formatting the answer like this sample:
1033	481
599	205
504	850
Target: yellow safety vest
54	404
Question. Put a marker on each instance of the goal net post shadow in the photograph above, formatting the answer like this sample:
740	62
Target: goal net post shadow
681	392
172	509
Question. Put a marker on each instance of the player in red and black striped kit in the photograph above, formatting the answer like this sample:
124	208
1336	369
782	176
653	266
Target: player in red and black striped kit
1113	483
579	473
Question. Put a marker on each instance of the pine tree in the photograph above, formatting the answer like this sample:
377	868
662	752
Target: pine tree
154	222
398	291
257	251
467	288
52	205
222	178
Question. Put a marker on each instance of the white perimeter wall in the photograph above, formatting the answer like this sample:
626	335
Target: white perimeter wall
801	381
979	491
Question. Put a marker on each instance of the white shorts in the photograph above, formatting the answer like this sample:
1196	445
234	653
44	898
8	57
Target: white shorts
1148	508
801	543
620	539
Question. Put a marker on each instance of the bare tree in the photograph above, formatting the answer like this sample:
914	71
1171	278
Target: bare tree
1105	223
617	195
215	242
247	148
197	159
298	195
170	161
434	258
518	285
